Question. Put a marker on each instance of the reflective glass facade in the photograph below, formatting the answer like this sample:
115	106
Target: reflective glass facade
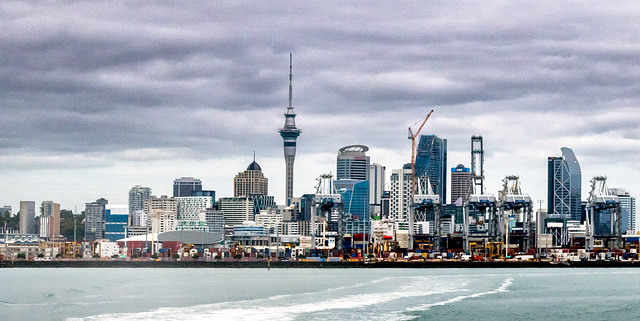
431	161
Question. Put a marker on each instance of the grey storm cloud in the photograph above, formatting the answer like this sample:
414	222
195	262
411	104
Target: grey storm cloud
201	80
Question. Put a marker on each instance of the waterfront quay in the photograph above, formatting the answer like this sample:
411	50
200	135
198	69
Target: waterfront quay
265	264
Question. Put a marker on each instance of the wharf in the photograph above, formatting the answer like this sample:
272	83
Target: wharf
311	264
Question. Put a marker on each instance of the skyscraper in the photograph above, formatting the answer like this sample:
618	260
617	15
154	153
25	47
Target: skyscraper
51	211
94	217
138	196
27	217
353	163
400	194
460	182
251	181
182	187
431	161
564	186
628	208
377	175
289	135
352	180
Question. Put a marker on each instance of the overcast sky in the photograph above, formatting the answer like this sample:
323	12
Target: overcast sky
99	96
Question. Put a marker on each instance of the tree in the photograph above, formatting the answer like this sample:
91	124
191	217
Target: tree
154	256
66	225
96	256
13	222
195	256
176	256
22	256
40	255
237	256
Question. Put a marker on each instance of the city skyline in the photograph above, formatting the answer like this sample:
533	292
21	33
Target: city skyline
97	103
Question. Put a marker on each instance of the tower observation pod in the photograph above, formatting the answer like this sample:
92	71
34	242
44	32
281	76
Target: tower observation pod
289	135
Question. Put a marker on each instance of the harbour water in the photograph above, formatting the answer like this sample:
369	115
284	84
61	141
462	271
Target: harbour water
319	294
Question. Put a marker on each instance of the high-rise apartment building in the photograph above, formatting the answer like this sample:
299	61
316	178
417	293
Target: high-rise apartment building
94	217
215	220
628	208
182	187
27	217
192	212
289	135
138	195
564	186
431	161
162	213
460	183
236	210
50	214
250	182
400	196
377	175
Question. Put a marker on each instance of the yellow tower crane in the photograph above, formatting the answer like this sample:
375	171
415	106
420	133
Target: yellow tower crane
413	136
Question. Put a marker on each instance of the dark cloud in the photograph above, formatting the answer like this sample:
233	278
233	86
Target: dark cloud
109	82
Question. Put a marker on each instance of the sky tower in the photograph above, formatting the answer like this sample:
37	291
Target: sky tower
289	135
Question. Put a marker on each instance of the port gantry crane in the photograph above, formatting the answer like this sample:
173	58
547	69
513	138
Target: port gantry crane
425	222
412	192
329	208
519	207
480	220
604	215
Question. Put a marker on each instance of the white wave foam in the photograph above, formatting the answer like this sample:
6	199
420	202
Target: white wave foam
288	307
502	288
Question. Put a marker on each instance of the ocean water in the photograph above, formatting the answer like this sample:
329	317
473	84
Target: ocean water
319	294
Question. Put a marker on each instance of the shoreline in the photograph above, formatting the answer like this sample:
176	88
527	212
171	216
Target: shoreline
308	264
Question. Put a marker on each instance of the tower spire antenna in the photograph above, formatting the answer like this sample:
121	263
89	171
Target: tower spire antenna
290	82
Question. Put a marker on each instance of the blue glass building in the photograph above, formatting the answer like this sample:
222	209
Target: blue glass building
564	189
431	161
114	225
355	198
